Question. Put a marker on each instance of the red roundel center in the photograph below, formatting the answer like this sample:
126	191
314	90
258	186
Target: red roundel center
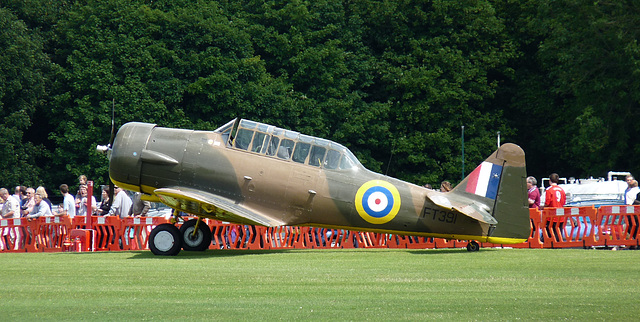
378	201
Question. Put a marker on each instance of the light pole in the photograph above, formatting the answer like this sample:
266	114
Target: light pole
462	152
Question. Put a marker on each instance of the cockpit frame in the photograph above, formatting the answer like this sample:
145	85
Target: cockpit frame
287	145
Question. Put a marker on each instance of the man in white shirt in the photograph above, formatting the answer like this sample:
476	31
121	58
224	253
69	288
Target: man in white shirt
68	203
121	205
11	207
632	190
18	194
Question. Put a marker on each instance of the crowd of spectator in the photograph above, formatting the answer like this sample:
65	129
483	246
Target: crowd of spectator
27	202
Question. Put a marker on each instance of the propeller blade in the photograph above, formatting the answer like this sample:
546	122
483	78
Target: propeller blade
113	122
113	135
111	188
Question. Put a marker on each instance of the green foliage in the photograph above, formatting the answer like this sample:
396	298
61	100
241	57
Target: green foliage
592	55
186	67
392	80
577	81
23	68
435	59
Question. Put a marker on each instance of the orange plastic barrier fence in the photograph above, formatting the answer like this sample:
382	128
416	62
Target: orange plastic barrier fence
51	233
134	232
607	226
17	235
232	236
568	227
107	233
617	225
535	237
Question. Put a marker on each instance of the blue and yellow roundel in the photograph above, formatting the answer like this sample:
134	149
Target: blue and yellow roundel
377	201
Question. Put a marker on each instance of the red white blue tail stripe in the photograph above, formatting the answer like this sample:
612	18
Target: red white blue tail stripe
484	180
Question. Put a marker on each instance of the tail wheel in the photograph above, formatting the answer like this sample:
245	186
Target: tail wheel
165	240
200	240
473	246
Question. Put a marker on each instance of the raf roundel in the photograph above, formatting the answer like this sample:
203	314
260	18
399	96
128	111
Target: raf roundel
377	201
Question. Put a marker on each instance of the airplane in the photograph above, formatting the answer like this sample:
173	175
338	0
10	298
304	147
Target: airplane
252	173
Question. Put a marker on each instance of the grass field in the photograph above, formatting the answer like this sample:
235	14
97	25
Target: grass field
355	284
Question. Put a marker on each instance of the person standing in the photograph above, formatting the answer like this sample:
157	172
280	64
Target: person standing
40	208
45	196
534	193
17	193
554	195
105	205
632	190
68	202
140	207
11	207
630	196
82	208
14	234
28	203
82	180
121	205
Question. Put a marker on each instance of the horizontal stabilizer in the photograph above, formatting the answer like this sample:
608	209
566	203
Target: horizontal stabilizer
477	211
202	203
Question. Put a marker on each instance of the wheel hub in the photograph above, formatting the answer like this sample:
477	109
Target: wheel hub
163	241
191	238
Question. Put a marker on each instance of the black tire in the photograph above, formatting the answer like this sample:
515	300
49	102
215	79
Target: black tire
198	242
473	246
165	240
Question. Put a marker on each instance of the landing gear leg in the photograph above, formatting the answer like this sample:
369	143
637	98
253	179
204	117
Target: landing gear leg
175	217
473	246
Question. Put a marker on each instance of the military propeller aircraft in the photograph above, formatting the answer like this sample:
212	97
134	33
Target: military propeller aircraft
252	173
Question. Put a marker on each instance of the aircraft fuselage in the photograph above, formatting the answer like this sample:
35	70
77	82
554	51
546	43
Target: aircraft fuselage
307	181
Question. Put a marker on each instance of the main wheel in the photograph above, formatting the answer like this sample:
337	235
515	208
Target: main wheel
200	240
165	240
473	246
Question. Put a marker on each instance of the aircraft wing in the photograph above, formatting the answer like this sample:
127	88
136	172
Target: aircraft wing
199	202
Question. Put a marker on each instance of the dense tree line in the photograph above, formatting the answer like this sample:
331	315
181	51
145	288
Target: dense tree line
392	80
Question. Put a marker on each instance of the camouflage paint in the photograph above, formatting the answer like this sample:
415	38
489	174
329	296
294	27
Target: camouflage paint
201	172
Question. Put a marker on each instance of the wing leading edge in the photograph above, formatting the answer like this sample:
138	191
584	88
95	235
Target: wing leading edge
208	205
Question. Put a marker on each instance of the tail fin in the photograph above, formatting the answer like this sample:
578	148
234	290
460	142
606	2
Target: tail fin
500	183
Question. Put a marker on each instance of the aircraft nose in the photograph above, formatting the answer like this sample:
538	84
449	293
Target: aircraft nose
125	164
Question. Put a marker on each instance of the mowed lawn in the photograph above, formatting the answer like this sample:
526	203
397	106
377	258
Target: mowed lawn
354	284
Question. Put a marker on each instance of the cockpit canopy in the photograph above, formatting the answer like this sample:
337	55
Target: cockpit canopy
287	145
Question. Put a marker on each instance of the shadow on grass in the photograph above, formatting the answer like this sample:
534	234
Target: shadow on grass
245	252
144	254
447	251
212	253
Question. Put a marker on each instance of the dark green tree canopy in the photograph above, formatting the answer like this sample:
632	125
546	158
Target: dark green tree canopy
23	72
392	80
